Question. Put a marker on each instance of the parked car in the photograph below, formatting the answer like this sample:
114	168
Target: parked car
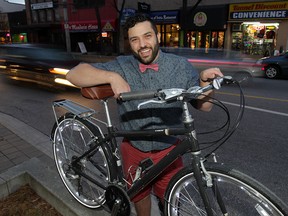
274	66
232	63
36	64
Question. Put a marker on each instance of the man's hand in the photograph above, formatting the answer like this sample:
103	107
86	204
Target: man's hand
206	78
119	85
209	74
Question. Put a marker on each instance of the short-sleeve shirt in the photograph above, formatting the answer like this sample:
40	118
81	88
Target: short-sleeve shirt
174	72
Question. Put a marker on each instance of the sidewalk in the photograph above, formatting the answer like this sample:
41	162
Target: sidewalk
26	158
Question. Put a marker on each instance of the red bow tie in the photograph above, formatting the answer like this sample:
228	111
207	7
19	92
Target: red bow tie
144	67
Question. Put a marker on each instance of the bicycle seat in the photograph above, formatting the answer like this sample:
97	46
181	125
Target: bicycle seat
99	92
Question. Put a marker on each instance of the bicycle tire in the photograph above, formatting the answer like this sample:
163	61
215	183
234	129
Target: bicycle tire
77	135
241	194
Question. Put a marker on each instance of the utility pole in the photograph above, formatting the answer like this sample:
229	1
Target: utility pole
184	23
66	26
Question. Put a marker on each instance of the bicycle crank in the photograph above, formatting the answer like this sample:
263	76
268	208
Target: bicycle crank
117	201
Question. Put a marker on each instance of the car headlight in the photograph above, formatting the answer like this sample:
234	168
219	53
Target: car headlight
60	71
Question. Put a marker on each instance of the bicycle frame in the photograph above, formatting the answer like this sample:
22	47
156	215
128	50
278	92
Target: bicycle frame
189	144
211	181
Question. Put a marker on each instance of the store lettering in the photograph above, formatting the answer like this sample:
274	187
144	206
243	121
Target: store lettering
164	17
83	27
243	8
260	14
270	7
259	7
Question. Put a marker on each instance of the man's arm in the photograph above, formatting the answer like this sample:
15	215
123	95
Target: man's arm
205	75
85	75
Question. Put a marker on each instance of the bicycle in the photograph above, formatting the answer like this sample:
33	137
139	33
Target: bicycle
89	162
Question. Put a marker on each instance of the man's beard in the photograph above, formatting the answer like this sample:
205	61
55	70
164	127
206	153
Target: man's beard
155	51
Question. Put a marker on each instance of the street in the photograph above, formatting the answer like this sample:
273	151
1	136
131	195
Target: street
259	147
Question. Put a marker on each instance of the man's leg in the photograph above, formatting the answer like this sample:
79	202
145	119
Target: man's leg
132	157
143	207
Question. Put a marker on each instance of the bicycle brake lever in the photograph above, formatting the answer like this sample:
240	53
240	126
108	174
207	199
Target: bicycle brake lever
172	93
149	101
217	83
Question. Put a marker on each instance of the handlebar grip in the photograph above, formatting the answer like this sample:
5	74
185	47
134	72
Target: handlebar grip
138	95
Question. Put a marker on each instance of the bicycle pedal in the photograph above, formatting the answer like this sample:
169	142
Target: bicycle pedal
116	206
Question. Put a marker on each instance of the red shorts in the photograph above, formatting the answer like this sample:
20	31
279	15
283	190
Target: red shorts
131	158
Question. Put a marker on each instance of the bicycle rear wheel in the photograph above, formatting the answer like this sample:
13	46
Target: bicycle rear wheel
72	136
239	194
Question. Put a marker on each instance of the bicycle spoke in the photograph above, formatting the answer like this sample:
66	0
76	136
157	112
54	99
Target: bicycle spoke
72	138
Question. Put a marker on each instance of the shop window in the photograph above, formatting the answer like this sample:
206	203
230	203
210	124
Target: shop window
57	14
258	38
169	35
172	35
49	15
206	39
34	16
237	41
42	16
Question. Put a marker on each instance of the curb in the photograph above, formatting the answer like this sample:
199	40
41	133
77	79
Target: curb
42	176
36	173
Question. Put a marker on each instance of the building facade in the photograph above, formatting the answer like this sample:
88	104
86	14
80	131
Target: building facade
253	27
256	27
7	12
68	23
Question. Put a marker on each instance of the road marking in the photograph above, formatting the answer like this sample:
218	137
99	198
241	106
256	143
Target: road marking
251	96
255	108
258	109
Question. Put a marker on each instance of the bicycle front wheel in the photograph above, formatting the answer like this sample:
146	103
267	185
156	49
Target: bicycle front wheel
231	193
73	136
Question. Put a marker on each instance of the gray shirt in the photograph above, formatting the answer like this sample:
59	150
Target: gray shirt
174	72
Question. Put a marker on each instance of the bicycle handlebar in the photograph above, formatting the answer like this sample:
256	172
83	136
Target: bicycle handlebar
138	95
174	93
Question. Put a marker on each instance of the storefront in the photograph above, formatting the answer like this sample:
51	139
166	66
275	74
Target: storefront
256	28
168	25
88	33
206	26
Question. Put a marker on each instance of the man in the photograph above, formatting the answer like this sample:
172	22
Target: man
147	68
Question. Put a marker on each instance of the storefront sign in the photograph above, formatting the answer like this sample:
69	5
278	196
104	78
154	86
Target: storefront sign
206	18
127	12
264	10
200	19
143	7
165	16
42	5
90	26
82	27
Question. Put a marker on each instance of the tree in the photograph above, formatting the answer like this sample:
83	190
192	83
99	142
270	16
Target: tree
93	4
118	25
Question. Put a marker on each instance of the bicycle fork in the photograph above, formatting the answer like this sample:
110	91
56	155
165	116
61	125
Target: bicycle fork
210	182
196	166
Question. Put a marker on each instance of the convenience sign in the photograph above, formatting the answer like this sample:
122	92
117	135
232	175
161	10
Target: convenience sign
263	10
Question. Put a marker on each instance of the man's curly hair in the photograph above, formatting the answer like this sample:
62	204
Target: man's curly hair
138	18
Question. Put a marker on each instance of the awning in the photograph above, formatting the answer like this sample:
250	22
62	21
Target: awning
90	26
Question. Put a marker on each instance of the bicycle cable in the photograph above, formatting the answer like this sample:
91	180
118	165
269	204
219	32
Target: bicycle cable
233	128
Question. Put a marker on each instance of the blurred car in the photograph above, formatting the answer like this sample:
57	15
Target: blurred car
274	66
36	64
231	63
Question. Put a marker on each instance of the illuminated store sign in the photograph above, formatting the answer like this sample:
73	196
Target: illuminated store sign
265	10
